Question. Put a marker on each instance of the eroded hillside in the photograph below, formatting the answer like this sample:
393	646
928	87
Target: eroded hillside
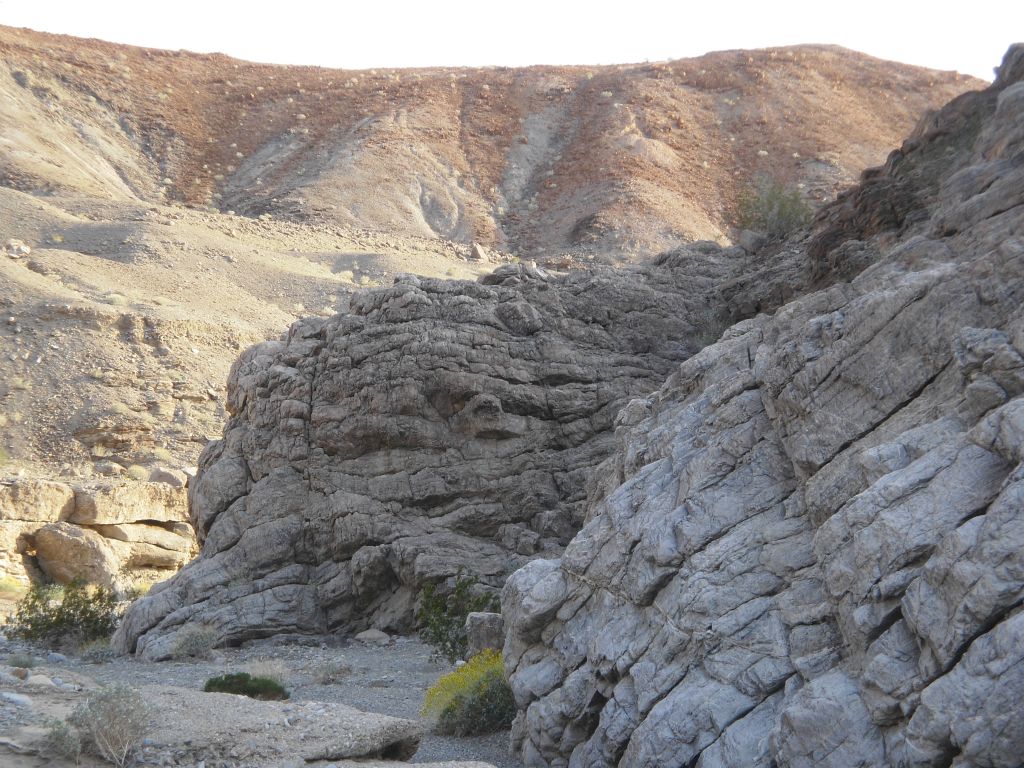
621	160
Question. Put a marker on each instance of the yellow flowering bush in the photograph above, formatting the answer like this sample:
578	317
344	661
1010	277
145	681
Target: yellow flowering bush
473	699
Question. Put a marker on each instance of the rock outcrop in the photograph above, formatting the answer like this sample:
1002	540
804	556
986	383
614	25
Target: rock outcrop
109	534
438	427
807	548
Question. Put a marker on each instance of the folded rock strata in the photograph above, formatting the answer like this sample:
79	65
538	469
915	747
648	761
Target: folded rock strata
437	427
808	548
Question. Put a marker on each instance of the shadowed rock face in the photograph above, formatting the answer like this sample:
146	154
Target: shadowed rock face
811	550
437	427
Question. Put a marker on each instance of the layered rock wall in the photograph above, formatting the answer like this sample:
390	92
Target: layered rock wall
807	548
438	427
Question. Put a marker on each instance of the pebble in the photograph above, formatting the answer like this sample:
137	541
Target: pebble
56	658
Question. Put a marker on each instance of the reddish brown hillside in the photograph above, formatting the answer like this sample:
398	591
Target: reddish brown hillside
618	159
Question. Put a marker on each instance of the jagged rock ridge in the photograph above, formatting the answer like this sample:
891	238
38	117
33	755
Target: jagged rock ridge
807	549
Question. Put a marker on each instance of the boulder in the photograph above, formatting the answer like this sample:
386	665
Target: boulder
373	637
484	631
139	525
478	253
36	501
175	478
66	552
308	732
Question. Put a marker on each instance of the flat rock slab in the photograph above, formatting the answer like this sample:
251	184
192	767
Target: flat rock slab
271	733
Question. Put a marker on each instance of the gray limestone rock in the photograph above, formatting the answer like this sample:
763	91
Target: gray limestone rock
806	548
798	546
484	631
438	427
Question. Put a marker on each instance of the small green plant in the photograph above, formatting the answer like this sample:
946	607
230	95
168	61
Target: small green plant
442	615
196	641
114	720
773	208
53	615
244	684
62	740
21	661
473	699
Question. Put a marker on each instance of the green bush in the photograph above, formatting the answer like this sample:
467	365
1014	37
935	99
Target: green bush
473	699
244	684
21	661
442	615
773	208
73	614
114	720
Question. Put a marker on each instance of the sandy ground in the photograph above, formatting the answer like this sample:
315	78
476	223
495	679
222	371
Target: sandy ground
388	680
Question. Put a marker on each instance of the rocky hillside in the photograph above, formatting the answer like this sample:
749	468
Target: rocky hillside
807	548
178	208
622	161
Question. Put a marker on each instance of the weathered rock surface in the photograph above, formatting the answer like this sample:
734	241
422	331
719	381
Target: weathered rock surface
807	548
332	731
438	427
484	631
105	534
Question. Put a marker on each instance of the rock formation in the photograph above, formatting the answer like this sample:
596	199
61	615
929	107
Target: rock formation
808	547
440	426
803	549
109	534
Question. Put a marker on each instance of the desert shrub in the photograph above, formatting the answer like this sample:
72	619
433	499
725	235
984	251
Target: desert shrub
195	641
773	208
442	615
137	472
246	685
332	672
473	699
21	660
97	651
10	587
268	669
62	740
73	614
114	721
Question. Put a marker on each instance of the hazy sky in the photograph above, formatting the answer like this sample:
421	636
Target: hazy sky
967	36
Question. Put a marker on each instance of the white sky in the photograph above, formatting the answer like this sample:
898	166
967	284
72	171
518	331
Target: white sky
970	37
